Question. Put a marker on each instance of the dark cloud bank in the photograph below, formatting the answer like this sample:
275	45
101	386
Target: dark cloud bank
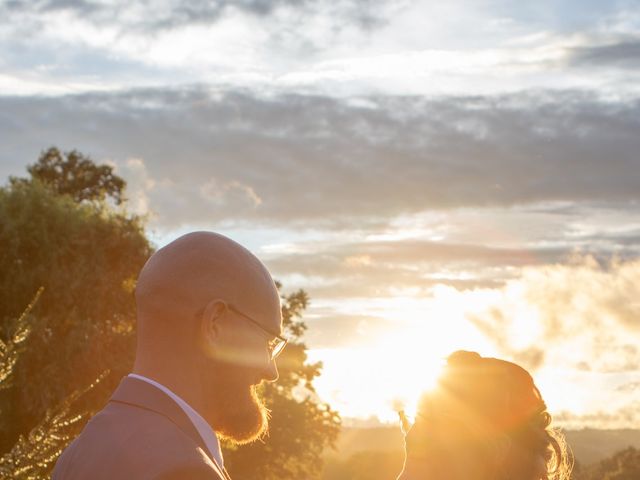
623	53
153	17
172	14
374	268
229	155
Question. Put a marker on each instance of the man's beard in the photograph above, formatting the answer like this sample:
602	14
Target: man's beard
233	408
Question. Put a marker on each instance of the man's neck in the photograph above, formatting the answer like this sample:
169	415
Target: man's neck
205	430
180	380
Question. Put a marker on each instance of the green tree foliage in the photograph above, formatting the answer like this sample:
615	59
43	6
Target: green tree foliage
86	256
10	349
33	455
301	426
76	175
58	231
624	465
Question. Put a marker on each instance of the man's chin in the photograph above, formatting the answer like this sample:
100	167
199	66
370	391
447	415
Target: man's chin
243	434
242	422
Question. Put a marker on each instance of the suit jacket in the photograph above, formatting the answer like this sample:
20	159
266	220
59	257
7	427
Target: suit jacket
141	434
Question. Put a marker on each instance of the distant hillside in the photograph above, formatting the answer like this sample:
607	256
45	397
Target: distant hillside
355	440
373	453
589	445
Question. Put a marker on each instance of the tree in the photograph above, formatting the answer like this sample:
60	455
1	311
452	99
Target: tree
14	344
76	175
33	455
624	465
301	426
86	256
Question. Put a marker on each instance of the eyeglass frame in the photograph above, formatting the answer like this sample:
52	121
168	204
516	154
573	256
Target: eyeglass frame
283	341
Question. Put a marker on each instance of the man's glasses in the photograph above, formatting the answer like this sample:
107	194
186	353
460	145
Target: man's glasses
276	345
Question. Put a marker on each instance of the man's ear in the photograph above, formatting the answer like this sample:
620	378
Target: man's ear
209	322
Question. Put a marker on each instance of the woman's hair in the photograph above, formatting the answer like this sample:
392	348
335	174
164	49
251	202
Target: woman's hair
487	420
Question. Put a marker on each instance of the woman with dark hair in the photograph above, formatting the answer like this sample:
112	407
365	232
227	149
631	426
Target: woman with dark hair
486	420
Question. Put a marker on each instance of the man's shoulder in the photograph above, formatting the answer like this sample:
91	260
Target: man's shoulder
127	441
187	472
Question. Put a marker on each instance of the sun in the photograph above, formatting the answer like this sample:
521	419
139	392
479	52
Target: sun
392	368
408	377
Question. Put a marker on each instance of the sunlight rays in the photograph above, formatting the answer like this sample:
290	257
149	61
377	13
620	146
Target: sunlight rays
571	325
392	368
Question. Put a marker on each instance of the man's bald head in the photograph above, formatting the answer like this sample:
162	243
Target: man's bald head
199	299
180	278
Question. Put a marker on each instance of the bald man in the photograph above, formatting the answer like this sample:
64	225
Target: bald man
209	329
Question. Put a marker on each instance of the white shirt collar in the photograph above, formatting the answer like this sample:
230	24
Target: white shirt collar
204	429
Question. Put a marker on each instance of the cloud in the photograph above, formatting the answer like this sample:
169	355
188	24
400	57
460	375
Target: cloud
345	331
171	14
69	46
625	417
324	162
584	315
574	325
138	185
623	53
341	47
384	268
626	242
164	14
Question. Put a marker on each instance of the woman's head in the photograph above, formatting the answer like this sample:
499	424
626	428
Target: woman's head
487	420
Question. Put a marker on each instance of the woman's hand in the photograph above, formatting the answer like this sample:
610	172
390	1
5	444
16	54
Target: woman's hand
415	448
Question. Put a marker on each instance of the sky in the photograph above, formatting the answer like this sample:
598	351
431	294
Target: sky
436	175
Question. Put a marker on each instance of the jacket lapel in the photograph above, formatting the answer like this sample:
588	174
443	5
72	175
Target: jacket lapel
138	393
